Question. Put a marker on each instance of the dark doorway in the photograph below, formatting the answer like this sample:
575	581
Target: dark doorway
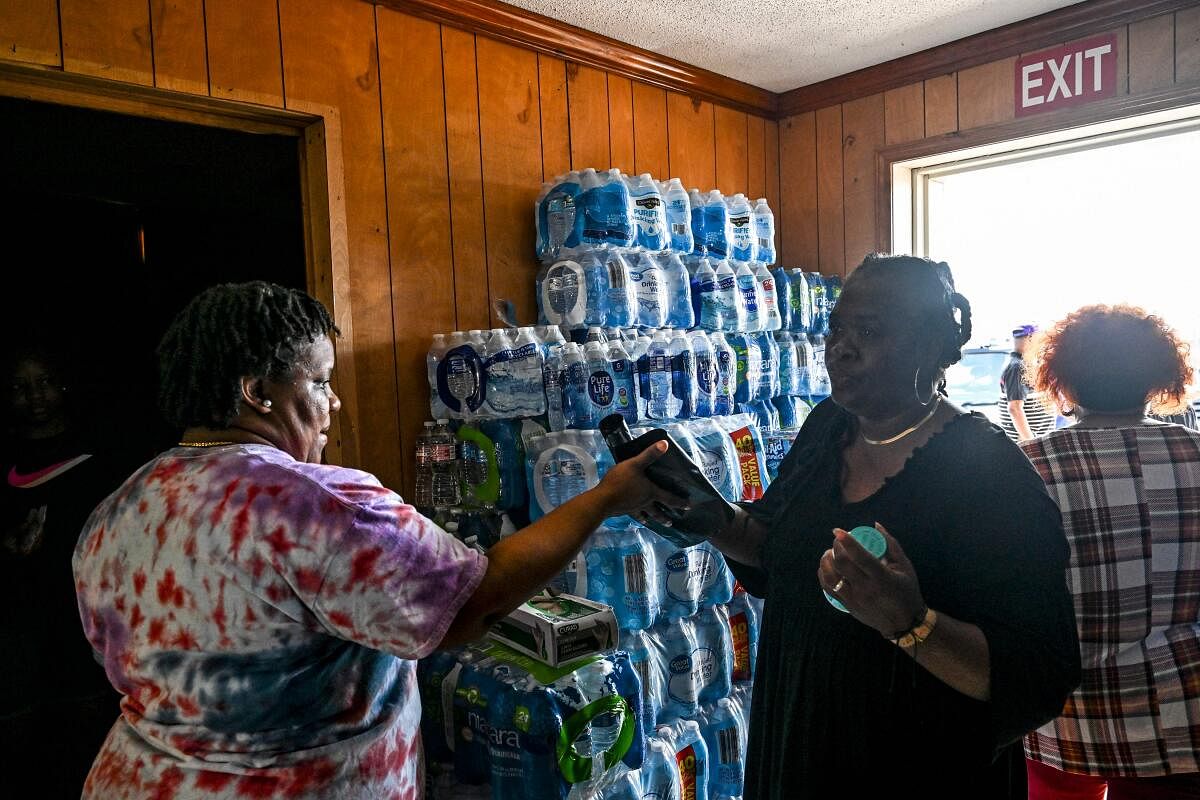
110	223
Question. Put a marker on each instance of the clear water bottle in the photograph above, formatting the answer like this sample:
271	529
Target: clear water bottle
727	371
731	304
764	231
424	460
655	370
768	309
444	466
744	244
707	302
679	216
434	357
683	377
706	374
624	374
751	295
678	289
577	407
552	377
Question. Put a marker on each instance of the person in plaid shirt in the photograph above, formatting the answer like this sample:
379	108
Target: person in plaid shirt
1129	490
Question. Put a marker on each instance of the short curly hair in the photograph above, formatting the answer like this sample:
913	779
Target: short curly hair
228	332
1111	358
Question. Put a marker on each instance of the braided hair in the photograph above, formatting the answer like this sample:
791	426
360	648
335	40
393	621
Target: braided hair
928	287
228	332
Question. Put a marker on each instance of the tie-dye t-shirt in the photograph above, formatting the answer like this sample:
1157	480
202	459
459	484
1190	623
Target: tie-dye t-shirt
261	617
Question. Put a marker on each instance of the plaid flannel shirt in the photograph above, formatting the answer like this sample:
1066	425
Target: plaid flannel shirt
1130	500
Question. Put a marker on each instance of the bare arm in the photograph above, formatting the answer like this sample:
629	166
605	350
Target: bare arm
743	540
1016	410
521	564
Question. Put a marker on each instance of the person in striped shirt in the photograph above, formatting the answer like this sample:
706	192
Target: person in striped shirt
1023	416
1129	490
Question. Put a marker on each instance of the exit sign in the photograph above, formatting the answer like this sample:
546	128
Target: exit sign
1066	76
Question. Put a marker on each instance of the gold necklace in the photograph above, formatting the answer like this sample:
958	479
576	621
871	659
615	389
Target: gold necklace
203	444
908	430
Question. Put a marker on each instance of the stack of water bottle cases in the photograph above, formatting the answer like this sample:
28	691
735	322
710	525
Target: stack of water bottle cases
666	307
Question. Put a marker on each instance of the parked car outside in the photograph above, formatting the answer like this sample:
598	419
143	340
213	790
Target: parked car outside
973	384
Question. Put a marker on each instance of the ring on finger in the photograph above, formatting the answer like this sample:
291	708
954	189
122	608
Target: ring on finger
837	587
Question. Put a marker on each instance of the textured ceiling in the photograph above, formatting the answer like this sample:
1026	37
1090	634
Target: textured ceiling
784	44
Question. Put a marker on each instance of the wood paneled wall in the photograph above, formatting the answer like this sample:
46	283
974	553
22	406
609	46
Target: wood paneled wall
828	156
446	138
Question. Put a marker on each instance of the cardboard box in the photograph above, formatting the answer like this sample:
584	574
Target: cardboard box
556	630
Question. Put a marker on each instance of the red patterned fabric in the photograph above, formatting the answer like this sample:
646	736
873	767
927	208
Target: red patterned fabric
1130	500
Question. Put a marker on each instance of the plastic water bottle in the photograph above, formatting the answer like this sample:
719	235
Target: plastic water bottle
649	212
821	387
743	244
726	374
724	735
595	294
743	631
833	292
697	200
764	231
713	659
706	298
605	203
424	476
789	372
434	357
553	343
808	380
679	293
594	683
620	573
621	300
502	391
679	216
820	310
624	375
683	376
706	374
691	758
601	388
717	233
768	381
595	334
654	370
783	297
801	302
749	366
751	294
577	406
558	222
563	468
678	642
637	349
642	658
650	289
444	464
768	308
730	301
659	772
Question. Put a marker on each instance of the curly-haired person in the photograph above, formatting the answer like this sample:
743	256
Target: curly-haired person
1129	490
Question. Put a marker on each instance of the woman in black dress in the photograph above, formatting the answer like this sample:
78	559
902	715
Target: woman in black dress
962	637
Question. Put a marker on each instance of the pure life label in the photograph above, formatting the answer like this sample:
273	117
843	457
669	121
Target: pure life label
1066	76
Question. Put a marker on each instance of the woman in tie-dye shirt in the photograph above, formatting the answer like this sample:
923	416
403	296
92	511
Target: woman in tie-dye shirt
260	612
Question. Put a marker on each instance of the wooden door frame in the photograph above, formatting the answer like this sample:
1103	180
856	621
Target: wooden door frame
318	133
1062	126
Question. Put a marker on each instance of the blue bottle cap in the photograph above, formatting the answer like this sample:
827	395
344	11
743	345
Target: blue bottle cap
873	542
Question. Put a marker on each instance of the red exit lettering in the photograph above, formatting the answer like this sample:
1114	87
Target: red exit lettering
1066	76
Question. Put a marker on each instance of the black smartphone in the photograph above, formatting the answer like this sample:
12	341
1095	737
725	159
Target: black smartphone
708	513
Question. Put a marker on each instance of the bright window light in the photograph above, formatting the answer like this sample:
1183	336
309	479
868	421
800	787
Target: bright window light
1036	236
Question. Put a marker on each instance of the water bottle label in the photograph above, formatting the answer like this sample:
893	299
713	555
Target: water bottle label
681	687
686	760
600	388
560	215
704	666
706	374
660	363
648	213
750	296
739	630
461	379
713	467
651	291
690	573
752	485
562	290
